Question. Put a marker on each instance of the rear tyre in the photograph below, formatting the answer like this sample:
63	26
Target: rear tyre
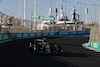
58	49
36	48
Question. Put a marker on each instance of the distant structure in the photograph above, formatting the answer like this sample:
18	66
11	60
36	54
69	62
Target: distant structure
10	24
61	20
45	24
64	20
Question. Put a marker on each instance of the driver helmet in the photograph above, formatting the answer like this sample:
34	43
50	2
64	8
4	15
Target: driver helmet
44	41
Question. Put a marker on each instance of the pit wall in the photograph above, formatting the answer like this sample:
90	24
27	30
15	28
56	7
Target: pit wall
8	36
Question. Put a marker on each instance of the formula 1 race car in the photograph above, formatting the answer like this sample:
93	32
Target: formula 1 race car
42	46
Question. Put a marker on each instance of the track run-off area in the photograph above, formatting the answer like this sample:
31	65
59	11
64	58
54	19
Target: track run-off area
16	53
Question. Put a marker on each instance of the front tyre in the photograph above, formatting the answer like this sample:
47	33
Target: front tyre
31	47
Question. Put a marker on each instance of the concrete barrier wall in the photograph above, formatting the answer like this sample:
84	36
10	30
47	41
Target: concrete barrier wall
94	33
94	40
8	36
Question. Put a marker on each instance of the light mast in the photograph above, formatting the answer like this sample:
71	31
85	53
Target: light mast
24	12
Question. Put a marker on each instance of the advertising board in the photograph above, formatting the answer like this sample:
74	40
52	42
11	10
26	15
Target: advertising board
12	35
25	35
73	33
18	35
1	37
91	43
63	33
38	34
31	34
96	45
52	33
81	32
6	36
45	34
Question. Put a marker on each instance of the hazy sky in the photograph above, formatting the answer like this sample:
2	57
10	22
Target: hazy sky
43	6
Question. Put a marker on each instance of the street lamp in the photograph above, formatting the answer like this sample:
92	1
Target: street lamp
51	6
81	9
95	11
65	10
9	23
31	21
14	24
35	15
27	24
65	5
51	15
24	12
23	24
18	23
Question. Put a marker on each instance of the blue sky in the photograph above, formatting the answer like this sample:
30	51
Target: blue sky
43	6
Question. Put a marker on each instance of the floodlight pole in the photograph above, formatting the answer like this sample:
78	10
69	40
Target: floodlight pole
19	9
24	12
65	11
99	16
95	11
31	21
35	15
81	9
86	20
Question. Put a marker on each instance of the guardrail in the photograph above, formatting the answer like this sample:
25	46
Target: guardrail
8	36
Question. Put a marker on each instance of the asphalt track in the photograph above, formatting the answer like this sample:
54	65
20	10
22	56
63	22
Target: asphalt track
16	53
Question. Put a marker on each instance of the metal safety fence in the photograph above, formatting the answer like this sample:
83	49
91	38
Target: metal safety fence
94	33
51	28
10	24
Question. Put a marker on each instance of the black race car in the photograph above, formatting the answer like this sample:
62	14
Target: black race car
42	46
